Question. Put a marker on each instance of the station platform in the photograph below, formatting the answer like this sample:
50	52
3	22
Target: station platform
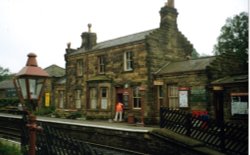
147	139
104	124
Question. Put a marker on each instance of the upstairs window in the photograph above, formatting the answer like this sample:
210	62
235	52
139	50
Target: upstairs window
101	64
79	67
128	61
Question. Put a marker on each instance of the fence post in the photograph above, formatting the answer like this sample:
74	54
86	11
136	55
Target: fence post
161	119
188	124
222	135
24	133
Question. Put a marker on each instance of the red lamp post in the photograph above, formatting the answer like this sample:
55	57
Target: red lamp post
29	83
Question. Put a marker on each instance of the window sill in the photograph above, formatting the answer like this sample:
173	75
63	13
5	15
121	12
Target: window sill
128	71
98	110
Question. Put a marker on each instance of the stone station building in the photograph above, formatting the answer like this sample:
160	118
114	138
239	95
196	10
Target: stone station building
123	69
145	71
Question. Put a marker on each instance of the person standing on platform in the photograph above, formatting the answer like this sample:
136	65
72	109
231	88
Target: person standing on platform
118	111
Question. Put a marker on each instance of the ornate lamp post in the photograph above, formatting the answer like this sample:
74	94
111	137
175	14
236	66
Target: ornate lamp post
29	83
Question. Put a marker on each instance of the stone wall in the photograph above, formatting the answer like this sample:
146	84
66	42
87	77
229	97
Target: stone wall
114	75
158	141
195	81
164	44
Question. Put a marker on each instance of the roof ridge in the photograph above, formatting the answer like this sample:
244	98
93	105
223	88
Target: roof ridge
162	67
126	36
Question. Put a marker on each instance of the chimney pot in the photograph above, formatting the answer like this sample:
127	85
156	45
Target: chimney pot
89	27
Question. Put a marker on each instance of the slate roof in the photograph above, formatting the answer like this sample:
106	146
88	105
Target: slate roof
118	41
232	79
55	71
62	80
6	84
186	65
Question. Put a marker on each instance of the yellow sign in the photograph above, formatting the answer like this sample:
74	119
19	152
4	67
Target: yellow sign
217	88
47	99
158	82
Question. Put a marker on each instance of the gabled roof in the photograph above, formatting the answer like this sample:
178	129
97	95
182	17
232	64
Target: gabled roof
7	84
55	71
123	40
118	41
186	65
61	80
232	79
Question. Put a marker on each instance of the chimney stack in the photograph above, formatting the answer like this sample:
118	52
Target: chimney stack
88	39
170	3
168	15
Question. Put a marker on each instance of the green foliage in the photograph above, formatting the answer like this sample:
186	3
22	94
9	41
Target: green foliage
45	111
195	54
7	149
4	73
234	37
9	102
232	48
74	115
67	114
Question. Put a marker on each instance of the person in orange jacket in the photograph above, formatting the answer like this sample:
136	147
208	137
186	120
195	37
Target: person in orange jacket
118	111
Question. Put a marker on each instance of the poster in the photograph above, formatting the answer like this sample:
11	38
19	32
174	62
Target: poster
47	99
183	99
239	105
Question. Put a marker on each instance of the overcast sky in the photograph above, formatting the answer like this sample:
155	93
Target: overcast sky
46	26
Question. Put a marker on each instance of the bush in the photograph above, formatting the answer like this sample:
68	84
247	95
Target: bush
9	102
74	115
67	114
7	149
45	111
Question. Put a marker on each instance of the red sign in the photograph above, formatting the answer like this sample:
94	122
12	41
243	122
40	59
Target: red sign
184	88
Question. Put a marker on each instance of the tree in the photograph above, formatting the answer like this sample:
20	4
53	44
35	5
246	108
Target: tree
234	38
195	54
4	73
232	47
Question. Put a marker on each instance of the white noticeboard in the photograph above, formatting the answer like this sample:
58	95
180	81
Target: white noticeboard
183	99
239	105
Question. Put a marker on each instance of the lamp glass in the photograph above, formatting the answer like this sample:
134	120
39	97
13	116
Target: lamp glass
35	87
22	86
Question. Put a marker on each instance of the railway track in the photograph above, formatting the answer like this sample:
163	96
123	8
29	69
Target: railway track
10	128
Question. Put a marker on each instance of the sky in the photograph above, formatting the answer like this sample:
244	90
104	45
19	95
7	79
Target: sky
44	27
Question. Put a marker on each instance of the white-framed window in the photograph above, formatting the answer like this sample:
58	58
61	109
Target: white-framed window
160	96
136	98
173	96
128	61
61	99
93	98
79	67
78	99
101	64
104	98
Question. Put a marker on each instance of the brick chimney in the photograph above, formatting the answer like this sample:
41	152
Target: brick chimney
168	15
88	39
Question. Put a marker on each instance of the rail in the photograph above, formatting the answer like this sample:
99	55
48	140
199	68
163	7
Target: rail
228	137
63	144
